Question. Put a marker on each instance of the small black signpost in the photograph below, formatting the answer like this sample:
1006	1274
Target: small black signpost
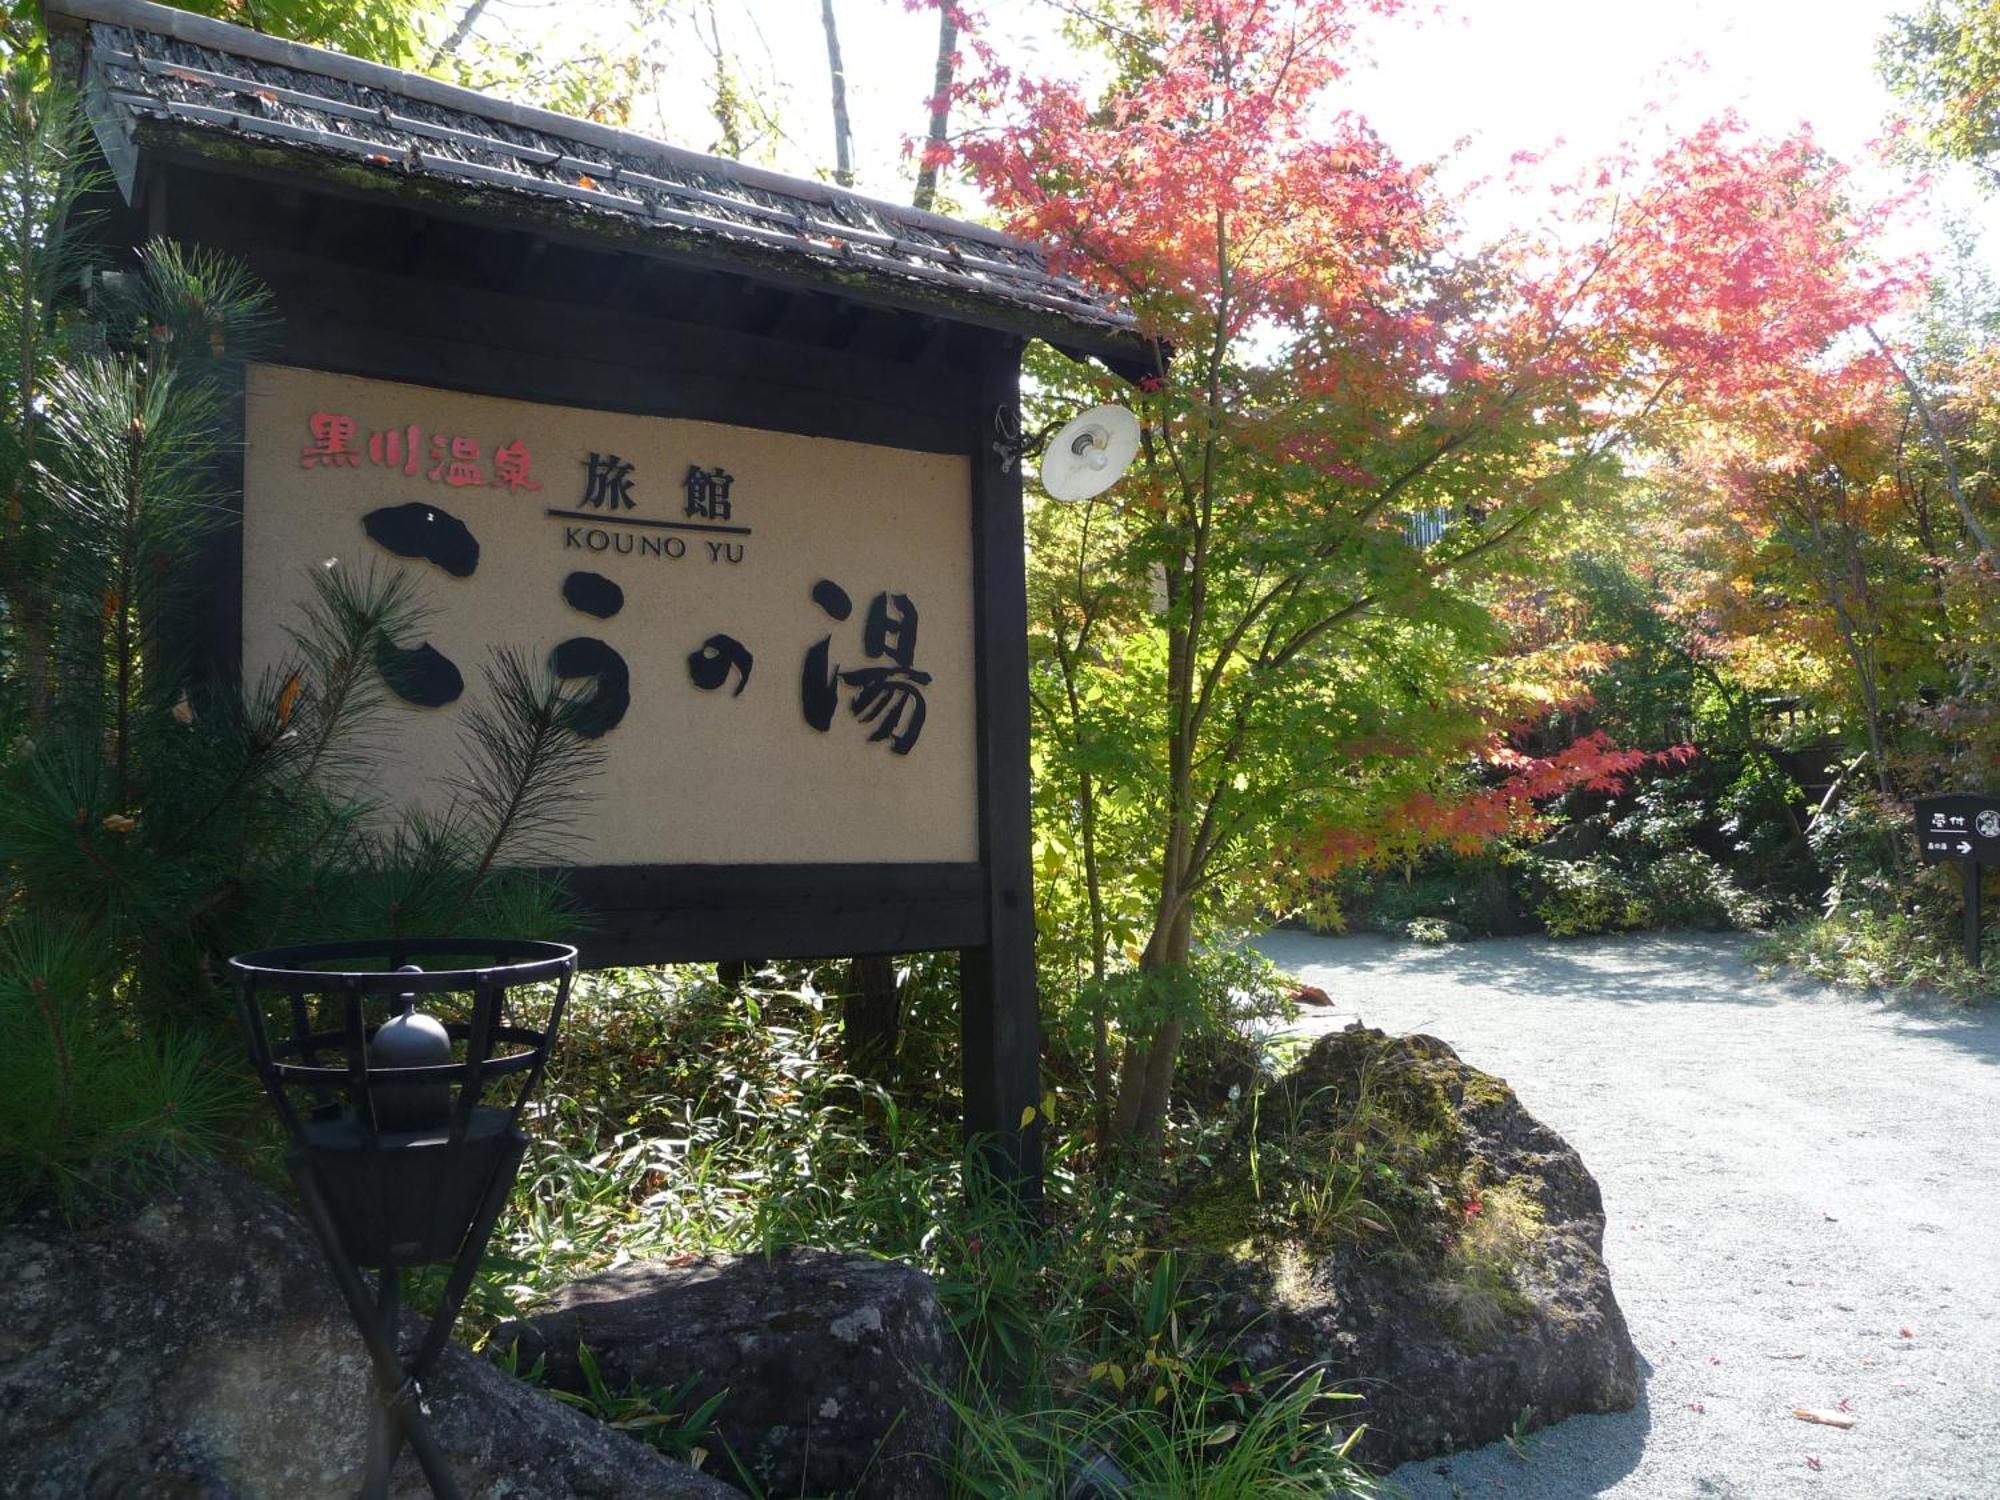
1963	830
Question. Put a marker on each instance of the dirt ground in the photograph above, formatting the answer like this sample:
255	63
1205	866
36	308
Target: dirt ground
1802	1192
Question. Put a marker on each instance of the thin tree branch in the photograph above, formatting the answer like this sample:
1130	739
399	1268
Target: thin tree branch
941	81
843	132
1943	449
466	21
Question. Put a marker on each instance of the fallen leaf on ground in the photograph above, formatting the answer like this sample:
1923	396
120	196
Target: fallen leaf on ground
1813	1463
1824	1418
1904	1333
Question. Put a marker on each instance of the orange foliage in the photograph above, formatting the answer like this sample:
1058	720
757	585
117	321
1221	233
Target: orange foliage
1509	808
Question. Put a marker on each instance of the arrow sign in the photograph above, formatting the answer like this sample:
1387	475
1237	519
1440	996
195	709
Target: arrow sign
1958	828
1963	830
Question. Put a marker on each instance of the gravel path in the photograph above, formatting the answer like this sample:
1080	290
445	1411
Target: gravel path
1801	1201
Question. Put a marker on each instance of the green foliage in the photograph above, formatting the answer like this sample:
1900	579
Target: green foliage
384	31
1446	893
1706	847
1248	1445
1575	897
1864	842
1521	1440
1686	888
152	820
667	1418
1887	922
683	1116
1943	60
1652	693
1756	808
84	1104
1891	950
1367	1151
1221	989
1477	1289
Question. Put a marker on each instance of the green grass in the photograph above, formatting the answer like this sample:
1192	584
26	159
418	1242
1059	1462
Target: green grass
1872	949
681	1117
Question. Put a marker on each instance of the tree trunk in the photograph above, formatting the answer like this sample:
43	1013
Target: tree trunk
467	19
1146	1081
1942	447
843	134
724	104
927	168
871	1017
1100	1016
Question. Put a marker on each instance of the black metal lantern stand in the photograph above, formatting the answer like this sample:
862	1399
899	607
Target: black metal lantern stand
402	1090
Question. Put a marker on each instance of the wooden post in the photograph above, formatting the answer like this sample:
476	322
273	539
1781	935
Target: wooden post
1972	873
1000	1027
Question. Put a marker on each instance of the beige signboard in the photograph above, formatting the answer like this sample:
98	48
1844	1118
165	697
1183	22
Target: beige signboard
774	632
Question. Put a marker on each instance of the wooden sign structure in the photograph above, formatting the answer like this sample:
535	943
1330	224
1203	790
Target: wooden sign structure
736	451
774	633
1961	829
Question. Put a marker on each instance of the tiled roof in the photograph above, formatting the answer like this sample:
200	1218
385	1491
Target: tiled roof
148	67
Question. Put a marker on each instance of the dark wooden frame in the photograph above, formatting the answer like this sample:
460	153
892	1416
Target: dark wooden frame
366	285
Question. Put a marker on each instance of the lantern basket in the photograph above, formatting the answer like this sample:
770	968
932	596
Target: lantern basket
400	1069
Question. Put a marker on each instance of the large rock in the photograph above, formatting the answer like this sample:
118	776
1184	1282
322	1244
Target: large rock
1447	1349
833	1364
195	1346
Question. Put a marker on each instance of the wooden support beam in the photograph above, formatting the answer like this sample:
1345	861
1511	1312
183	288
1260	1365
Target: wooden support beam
1000	1021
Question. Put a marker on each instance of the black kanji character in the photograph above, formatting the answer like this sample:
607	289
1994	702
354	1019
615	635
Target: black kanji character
889	697
607	483
711	665
599	713
708	491
426	532
422	674
819	684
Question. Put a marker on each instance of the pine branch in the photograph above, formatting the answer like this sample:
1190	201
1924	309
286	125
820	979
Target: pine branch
345	620
524	769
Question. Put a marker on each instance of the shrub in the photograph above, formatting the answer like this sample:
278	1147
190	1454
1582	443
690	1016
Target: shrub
1688	889
85	1104
1862	843
1886	921
1887	950
1574	898
1758	820
1472	895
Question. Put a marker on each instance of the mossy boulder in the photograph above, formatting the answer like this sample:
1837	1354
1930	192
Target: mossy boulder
1395	1218
191	1343
832	1367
